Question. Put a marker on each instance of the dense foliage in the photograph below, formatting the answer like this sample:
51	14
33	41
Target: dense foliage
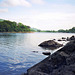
67	31
8	26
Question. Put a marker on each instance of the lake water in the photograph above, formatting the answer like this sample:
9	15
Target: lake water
16	50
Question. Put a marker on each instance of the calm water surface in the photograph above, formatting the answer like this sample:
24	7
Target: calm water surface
16	50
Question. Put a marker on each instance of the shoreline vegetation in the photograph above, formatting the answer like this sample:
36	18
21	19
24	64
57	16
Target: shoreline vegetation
12	27
72	30
7	26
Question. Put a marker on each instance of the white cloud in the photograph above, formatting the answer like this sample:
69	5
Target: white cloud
15	3
38	1
3	10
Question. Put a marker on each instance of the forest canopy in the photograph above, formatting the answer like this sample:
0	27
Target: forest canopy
9	26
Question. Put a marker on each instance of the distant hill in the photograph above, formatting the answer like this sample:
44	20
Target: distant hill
35	30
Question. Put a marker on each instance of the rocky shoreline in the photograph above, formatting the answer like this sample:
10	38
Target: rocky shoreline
61	62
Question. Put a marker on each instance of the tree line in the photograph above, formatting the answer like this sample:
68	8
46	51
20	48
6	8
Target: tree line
9	26
72	30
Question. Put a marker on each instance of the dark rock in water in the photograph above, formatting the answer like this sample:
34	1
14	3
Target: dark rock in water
71	38
63	38
35	51
54	39
61	62
68	39
49	48
50	44
59	40
46	53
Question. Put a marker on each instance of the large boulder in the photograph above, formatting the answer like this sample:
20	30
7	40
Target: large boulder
51	44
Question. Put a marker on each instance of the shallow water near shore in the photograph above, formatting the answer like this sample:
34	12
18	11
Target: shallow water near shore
17	50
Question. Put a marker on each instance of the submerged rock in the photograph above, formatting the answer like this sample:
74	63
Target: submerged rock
68	39
51	44
35	51
59	40
61	62
46	53
63	38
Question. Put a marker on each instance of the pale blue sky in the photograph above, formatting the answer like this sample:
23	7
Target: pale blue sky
41	14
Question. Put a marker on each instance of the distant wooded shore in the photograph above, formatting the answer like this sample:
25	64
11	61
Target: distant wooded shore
7	26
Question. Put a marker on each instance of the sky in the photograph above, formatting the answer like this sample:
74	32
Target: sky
40	14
